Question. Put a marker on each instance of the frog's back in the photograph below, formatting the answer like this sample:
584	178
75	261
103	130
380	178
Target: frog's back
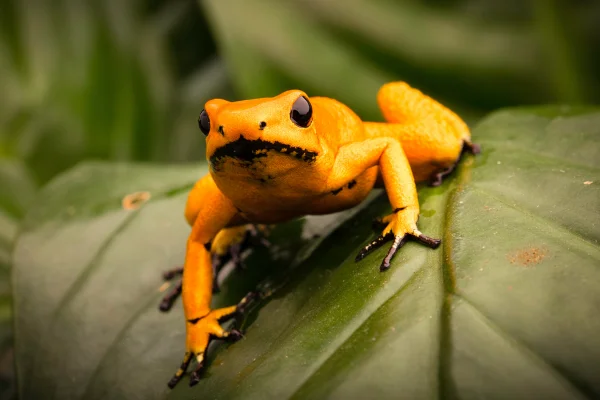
336	123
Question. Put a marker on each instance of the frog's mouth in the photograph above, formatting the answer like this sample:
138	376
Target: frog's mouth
249	150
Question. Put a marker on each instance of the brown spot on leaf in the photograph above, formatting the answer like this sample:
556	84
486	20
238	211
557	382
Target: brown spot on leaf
528	256
135	200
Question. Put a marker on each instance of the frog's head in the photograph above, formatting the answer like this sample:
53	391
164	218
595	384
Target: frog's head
251	131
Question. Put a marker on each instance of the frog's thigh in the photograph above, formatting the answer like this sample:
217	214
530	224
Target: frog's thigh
431	135
228	237
400	103
430	146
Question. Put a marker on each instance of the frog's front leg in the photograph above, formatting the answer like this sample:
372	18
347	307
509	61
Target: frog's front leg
203	323
387	154
228	245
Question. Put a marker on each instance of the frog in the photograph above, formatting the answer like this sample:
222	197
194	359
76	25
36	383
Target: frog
275	159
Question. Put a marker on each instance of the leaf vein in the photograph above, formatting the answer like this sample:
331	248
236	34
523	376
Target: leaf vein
356	329
128	324
524	349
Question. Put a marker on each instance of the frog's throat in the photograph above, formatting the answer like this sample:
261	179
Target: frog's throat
249	150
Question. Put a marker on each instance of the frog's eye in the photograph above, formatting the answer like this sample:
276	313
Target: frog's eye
301	113
204	122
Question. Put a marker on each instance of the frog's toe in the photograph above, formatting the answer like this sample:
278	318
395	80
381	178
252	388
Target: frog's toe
187	358
427	241
199	332
398	241
374	245
172	273
234	335
167	302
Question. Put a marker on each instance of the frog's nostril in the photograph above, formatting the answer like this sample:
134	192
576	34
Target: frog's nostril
262	125
220	130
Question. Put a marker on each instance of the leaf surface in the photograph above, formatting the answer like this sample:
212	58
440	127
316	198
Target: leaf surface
505	308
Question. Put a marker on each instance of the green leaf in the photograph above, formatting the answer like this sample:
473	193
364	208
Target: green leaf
505	308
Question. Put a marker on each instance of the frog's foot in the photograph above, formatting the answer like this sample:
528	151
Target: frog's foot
167	302
399	229
228	246
256	235
201	330
438	177
219	261
231	243
172	273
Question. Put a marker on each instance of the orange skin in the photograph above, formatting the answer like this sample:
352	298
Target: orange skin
345	159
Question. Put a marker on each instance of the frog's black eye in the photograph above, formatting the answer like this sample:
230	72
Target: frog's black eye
204	122
301	113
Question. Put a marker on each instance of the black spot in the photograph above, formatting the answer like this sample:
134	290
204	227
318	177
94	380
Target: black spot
262	125
249	150
207	246
399	209
335	192
351	184
266	179
220	130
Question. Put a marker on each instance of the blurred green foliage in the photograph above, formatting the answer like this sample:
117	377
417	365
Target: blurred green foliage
474	55
125	79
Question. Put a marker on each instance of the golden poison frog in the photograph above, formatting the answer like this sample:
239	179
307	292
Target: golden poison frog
275	159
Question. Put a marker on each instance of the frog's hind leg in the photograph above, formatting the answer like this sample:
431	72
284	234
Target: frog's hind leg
231	243
432	136
437	178
228	245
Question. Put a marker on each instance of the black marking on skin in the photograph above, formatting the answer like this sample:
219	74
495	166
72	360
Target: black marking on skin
266	179
249	150
207	246
194	321
262	125
399	209
350	185
221	131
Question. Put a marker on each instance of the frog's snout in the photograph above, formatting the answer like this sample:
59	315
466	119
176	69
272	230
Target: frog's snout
249	132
